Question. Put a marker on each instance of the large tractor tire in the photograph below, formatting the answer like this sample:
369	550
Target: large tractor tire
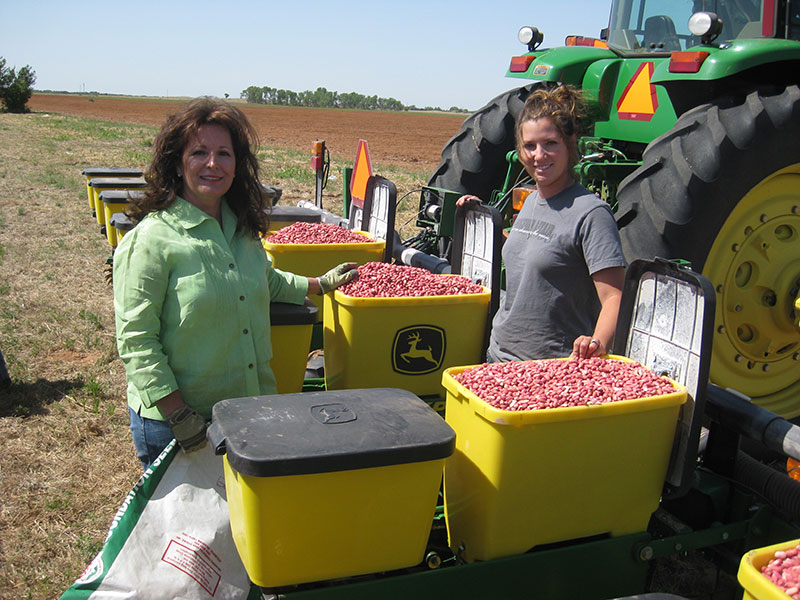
722	190
473	160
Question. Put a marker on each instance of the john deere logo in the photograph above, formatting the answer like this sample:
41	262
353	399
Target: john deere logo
332	413
418	349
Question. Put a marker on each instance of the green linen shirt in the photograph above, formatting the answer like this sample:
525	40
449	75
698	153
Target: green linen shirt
191	303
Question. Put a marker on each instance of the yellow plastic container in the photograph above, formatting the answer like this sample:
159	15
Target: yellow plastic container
521	479
401	342
313	260
122	224
114	202
283	216
354	491
756	586
98	184
92	172
291	326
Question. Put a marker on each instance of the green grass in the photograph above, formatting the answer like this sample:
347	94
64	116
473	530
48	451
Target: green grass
94	391
61	501
56	178
296	173
136	157
65	128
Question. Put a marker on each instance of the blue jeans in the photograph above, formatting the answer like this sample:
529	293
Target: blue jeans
150	437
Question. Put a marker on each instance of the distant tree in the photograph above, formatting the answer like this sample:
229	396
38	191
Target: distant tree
16	87
268	94
349	99
323	98
253	95
390	104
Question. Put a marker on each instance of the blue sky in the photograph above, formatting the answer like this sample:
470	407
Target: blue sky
420	52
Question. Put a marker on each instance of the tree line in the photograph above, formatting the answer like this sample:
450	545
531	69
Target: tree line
324	98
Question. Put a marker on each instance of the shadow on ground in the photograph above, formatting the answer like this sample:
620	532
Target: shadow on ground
27	399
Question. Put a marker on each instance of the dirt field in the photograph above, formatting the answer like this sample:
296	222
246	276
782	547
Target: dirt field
410	139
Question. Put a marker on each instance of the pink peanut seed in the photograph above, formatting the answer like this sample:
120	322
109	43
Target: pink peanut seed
784	571
534	385
385	280
316	233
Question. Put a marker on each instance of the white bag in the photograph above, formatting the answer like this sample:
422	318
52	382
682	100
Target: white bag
171	538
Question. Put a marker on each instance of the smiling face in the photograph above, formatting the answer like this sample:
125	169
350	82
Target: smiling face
545	155
208	165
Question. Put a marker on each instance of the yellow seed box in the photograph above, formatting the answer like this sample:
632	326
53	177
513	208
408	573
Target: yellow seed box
519	479
319	483
756	586
404	342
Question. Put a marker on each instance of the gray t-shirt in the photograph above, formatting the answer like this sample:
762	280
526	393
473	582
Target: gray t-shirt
550	255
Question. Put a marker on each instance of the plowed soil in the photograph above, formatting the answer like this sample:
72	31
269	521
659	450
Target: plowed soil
411	139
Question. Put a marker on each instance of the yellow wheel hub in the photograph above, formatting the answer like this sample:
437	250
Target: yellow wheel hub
754	265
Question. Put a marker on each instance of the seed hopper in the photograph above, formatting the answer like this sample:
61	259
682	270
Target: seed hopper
724	489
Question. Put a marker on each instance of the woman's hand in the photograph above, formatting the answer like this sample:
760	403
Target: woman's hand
468	200
188	427
586	346
336	277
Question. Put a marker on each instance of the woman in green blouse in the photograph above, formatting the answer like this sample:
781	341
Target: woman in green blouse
192	283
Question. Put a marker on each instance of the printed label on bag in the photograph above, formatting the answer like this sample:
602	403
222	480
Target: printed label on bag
195	558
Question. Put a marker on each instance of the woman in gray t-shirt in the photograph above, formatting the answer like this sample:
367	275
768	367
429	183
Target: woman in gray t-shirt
563	258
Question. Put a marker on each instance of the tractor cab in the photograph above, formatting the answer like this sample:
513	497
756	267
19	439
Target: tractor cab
662	26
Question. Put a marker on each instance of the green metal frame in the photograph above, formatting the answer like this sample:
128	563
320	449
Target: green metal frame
595	568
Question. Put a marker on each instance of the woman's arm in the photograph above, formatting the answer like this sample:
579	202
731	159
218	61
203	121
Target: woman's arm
313	286
140	283
338	276
170	403
608	283
188	427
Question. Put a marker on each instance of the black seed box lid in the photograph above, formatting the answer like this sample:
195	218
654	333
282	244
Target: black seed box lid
321	432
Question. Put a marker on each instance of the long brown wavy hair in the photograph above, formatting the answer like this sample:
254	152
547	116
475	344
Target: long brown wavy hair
246	197
565	107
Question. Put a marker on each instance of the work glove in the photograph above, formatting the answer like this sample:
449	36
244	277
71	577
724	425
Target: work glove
189	428
338	276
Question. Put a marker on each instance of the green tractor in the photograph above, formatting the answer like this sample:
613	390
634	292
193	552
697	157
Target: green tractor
694	143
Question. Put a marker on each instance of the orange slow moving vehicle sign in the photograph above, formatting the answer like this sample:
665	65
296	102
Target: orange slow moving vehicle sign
362	171
638	102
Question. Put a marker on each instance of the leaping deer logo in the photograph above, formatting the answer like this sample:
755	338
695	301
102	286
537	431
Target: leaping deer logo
414	352
418	349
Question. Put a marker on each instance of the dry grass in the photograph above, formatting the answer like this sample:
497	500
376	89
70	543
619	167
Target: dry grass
67	458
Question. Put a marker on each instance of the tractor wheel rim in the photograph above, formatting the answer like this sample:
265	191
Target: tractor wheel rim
754	265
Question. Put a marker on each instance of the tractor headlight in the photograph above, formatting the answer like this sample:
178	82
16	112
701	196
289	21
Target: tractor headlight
530	36
705	25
